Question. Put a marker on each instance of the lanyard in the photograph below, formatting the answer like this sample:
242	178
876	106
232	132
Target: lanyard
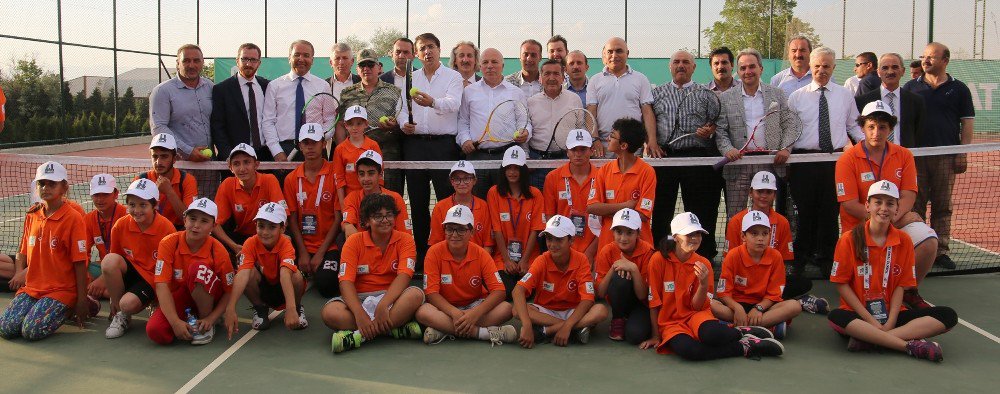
515	219
885	270
105	230
319	191
569	192
878	175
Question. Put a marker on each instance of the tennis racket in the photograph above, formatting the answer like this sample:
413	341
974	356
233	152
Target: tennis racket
318	108
699	107
409	87
384	104
505	123
773	142
577	118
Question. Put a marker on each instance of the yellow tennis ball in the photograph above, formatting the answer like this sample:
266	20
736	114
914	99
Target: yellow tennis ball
414	91
383	119
517	134
206	152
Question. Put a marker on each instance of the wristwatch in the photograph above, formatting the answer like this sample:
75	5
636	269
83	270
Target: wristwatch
759	308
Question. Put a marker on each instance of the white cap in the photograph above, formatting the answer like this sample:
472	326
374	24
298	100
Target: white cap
144	189
579	137
204	205
242	147
369	155
560	226
272	212
627	217
355	111
103	183
50	171
877	106
163	140
463	166
311	131
885	188
514	156
764	180
685	223
458	214
755	218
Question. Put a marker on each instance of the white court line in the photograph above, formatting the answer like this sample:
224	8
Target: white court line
977	247
222	358
976	329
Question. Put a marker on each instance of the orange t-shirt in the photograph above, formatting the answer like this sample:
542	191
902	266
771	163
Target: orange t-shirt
610	253
748	281
515	219
672	286
352	210
564	196
556	289
306	198
140	247
856	173
460	282
99	231
174	256
52	245
482	224
255	254
613	187
3	106
781	233
364	264
187	190
344	156
847	269
236	203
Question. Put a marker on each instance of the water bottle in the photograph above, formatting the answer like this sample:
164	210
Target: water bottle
192	320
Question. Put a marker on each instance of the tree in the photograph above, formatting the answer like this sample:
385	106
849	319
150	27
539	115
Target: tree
355	43
744	24
209	71
383	38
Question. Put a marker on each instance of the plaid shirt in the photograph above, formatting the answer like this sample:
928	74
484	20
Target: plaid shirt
381	102
694	114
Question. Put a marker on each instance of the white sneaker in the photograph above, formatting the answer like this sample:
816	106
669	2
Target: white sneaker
303	323
259	320
501	335
434	337
203	338
119	324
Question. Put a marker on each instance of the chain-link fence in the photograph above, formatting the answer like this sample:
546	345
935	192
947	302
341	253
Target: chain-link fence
83	69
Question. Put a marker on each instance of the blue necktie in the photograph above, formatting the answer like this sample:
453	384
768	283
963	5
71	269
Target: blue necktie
300	101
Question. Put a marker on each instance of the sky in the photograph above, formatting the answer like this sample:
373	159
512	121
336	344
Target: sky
655	28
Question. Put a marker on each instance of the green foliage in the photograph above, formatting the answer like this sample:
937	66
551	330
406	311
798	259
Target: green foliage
744	24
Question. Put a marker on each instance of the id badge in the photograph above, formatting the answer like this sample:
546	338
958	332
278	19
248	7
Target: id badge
580	223
514	249
878	310
309	223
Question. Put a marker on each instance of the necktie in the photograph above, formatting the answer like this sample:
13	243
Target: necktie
254	126
300	101
890	99
825	143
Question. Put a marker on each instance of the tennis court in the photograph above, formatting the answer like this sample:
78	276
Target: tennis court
816	359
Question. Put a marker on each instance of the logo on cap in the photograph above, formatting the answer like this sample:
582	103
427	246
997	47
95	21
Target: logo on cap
101	181
50	169
579	136
878	105
202	203
141	185
269	209
556	222
885	186
357	110
457	213
461	164
163	138
625	215
694	219
369	154
765	178
513	154
756	216
312	129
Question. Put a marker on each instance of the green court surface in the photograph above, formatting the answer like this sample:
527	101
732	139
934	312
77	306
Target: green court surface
816	360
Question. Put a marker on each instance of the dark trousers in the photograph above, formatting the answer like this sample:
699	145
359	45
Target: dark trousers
538	174
625	305
486	176
509	281
418	184
701	192
715	340
796	286
813	188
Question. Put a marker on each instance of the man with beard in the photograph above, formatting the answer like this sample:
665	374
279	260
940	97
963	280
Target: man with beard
238	104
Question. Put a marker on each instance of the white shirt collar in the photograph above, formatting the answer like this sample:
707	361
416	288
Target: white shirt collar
886	91
243	81
685	86
607	71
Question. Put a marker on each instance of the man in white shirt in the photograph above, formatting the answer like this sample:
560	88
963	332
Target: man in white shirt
402	52
618	92
341	61
798	73
431	135
285	97
527	77
544	110
829	119
465	60
478	100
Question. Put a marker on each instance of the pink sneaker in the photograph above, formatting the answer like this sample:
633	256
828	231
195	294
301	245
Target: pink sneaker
617	330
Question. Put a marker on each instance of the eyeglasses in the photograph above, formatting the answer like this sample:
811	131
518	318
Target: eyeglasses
861	64
463	180
456	230
383	218
366	65
249	60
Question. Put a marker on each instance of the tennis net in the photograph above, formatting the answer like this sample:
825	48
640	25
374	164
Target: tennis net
975	236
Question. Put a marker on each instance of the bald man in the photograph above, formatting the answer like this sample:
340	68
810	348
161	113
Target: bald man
618	92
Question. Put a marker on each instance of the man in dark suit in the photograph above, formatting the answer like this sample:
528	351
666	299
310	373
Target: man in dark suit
237	106
868	75
402	51
909	106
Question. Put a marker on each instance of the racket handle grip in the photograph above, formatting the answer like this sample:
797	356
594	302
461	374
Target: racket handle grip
720	164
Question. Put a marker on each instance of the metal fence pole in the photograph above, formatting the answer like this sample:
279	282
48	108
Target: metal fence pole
159	38
265	28
479	23
626	24
699	28
770	30
62	75
930	22
114	51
